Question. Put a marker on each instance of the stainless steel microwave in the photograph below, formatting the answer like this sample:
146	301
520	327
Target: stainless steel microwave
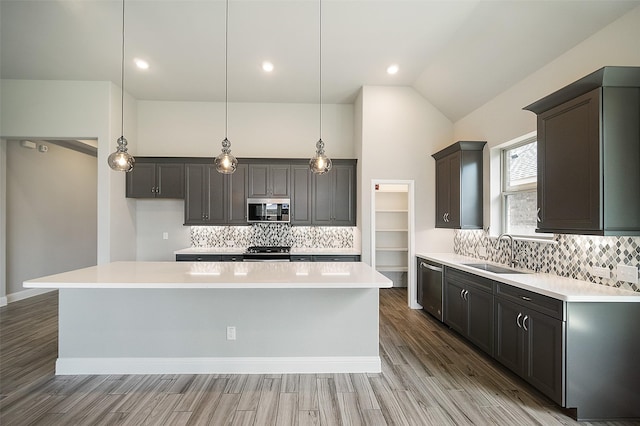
268	210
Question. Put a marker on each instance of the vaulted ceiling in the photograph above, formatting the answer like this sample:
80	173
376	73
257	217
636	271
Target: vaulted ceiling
457	54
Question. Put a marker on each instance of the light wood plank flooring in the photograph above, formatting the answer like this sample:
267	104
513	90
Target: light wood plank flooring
430	377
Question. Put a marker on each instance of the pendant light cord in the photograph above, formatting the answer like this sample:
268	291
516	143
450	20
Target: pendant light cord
320	66
122	77
226	71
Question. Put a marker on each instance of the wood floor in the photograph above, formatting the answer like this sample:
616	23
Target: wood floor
430	376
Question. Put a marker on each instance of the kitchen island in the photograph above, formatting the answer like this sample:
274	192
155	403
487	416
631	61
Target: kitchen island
217	317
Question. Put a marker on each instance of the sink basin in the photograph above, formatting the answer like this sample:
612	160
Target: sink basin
493	268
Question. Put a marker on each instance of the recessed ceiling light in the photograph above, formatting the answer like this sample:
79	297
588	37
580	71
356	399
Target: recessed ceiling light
141	63
393	69
267	66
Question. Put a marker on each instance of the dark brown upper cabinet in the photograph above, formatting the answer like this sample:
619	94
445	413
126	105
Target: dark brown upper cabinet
459	185
269	180
334	195
214	198
589	155
155	178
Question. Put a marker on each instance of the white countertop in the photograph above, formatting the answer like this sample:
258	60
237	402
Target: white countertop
242	250
184	275
567	289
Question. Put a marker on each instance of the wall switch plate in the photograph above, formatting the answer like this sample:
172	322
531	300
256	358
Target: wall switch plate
600	271
231	333
627	273
165	235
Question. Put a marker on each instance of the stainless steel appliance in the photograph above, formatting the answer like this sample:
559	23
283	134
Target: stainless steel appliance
267	254
268	210
430	287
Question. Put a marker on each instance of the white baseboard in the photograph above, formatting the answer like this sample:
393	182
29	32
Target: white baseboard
25	294
239	365
3	301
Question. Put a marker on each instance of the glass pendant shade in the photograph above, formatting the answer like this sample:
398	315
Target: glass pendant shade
320	163
225	162
121	160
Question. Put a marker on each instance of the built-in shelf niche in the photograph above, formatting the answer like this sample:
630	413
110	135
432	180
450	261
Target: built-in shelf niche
391	224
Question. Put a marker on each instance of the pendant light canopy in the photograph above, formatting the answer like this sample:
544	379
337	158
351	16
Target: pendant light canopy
320	163
225	162
121	160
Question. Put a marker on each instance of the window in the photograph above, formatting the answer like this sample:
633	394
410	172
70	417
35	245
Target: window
519	189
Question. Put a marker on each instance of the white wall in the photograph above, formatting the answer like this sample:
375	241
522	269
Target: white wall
83	110
255	129
196	129
51	218
3	223
400	130
503	119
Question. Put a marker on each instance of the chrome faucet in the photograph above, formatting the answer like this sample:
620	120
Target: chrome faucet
512	261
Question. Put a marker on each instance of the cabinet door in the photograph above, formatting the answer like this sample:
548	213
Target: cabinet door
279	181
448	191
569	187
480	319
258	180
336	258
322	199
344	197
169	180
509	340
300	195
455	309
544	352
443	192
141	181
238	195
196	201
217	196
453	218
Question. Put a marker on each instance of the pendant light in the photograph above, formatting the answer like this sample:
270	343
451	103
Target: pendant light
121	160
320	163
225	162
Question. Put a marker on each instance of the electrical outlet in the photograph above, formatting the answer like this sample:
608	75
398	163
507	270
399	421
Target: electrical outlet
165	235
600	271
231	333
627	273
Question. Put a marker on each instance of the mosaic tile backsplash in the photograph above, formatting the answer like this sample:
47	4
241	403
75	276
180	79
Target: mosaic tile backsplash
273	234
568	256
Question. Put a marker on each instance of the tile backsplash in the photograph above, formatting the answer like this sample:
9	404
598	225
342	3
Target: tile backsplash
273	234
567	255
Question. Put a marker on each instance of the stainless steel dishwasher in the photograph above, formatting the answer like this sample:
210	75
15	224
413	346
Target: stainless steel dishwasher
430	285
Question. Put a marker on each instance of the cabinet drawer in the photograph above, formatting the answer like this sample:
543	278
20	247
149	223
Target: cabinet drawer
232	258
301	258
336	258
538	302
471	280
198	258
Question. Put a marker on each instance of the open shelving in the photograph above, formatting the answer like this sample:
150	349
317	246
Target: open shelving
391	224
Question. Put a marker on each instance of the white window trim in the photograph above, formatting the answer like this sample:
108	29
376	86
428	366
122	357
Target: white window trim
497	205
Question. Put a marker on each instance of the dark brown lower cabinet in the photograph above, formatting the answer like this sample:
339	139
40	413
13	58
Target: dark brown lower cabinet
468	307
531	344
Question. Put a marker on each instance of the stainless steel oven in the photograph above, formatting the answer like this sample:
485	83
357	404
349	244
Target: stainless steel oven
268	210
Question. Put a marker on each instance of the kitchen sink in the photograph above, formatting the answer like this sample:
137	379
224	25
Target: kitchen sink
493	268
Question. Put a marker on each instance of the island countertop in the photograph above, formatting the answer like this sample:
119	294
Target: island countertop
201	275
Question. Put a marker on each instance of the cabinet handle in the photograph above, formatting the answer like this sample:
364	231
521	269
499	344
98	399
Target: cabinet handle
528	299
524	323
518	319
433	268
153	189
538	215
157	190
466	295
462	294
